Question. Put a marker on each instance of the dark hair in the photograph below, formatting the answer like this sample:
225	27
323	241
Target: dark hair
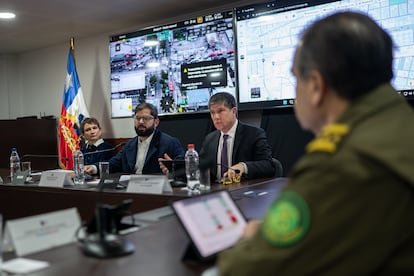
352	53
223	98
91	121
144	105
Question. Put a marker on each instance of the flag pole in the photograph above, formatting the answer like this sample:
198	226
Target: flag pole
73	110
72	43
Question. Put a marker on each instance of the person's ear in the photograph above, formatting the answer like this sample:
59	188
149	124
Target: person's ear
234	110
156	122
317	87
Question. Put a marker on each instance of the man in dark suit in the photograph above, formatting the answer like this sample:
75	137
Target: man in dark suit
140	154
235	149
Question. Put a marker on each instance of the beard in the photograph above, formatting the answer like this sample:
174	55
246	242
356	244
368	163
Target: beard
144	132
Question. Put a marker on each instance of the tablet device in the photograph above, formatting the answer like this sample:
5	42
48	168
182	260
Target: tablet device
212	221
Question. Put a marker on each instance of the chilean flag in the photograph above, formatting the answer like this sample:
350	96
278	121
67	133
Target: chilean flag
72	113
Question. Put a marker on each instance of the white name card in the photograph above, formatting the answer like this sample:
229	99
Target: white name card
36	233
56	178
148	184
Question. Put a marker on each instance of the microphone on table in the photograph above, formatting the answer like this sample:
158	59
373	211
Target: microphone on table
88	155
104	244
48	156
43	156
104	150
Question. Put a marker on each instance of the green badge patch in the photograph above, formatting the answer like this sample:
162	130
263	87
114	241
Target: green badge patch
287	221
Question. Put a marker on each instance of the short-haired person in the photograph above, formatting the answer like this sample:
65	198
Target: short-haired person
95	148
140	154
248	152
348	206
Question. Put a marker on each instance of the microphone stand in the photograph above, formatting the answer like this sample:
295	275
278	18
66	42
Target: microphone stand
105	150
103	244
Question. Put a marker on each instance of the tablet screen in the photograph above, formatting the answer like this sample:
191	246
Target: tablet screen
213	221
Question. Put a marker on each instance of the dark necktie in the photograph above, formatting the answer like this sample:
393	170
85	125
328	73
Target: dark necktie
224	158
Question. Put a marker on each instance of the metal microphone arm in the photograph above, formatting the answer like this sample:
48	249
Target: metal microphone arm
105	150
26	156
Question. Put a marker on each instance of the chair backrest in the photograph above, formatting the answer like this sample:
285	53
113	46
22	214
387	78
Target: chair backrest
278	167
285	137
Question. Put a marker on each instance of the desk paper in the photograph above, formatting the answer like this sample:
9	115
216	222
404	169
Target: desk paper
23	266
37	233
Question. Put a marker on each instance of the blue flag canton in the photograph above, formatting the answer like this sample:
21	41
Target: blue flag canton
72	82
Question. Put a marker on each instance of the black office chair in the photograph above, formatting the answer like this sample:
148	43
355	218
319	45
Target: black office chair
278	168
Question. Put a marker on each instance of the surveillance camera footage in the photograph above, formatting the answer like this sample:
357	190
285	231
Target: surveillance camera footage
176	67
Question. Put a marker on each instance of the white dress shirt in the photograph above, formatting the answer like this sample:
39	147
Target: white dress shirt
142	151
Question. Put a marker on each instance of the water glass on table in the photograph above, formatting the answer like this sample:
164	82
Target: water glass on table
205	184
27	166
103	169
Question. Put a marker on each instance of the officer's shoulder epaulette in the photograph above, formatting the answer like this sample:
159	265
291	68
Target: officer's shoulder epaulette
328	139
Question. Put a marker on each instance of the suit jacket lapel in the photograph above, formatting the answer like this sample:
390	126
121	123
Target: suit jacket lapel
153	147
131	154
214	149
237	141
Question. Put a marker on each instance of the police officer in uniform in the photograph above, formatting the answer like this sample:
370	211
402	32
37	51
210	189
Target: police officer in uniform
348	208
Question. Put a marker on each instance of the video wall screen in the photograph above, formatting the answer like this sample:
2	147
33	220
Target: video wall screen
176	67
267	35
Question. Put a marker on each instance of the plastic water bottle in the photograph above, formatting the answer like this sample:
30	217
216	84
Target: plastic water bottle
78	166
14	162
191	168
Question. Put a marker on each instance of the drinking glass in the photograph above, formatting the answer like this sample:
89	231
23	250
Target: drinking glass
27	166
205	184
103	169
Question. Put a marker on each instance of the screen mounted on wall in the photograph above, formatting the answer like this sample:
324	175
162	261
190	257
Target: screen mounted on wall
176	67
267	35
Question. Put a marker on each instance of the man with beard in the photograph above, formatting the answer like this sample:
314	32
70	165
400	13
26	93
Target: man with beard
140	154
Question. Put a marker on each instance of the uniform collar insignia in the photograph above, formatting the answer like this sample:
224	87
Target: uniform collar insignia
328	139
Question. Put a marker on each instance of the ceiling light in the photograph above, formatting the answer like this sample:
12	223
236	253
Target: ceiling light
7	15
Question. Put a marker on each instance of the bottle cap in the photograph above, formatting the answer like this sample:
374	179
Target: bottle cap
190	146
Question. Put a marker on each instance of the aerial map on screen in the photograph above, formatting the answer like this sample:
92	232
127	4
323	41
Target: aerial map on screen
267	35
176	67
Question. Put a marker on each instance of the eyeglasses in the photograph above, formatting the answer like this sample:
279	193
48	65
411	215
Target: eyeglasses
144	118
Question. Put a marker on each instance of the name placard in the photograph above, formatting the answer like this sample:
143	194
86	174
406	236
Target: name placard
56	178
148	184
37	233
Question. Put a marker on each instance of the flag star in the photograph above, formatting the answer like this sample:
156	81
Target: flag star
69	82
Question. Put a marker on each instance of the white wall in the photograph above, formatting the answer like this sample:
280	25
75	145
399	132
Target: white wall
10	103
42	75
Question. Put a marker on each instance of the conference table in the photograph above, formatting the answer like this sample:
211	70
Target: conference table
159	245
18	201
